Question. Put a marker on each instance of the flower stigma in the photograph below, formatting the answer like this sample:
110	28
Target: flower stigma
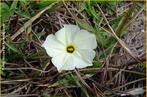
70	49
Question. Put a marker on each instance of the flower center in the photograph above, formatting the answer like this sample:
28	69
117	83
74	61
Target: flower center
70	49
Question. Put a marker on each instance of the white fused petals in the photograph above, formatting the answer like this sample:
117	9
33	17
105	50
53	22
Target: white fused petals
71	48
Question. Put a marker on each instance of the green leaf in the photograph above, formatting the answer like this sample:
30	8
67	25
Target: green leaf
43	4
97	64
35	54
28	30
2	73
2	65
75	78
100	39
13	8
116	22
26	13
38	35
14	4
107	52
55	7
4	7
85	25
125	20
61	83
92	11
23	15
4	12
14	56
67	76
42	67
15	49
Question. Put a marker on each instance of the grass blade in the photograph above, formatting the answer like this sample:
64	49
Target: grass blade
30	21
15	49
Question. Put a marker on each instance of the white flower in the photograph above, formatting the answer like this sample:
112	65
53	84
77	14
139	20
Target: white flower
71	48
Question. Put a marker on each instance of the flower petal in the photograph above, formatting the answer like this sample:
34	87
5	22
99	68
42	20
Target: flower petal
71	31
85	39
67	34
87	54
80	61
64	62
53	46
60	35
